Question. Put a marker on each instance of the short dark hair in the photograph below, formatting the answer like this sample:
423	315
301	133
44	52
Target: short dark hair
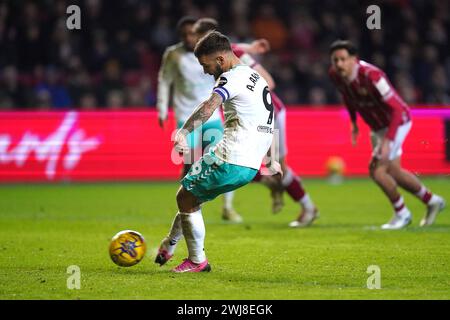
204	25
344	44
212	42
184	21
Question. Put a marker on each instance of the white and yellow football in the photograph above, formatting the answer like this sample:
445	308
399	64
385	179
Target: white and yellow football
127	248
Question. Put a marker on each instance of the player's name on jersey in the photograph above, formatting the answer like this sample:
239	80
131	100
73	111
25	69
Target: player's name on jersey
254	77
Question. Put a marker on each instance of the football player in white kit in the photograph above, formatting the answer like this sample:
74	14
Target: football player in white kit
231	163
181	72
291	182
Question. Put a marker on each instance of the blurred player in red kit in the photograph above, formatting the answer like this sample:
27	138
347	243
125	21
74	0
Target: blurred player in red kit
366	91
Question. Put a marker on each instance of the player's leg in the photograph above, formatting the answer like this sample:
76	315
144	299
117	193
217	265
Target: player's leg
194	232
207	179
275	187
405	179
191	219
294	187
187	204
211	135
229	213
412	184
379	174
169	243
278	152
291	182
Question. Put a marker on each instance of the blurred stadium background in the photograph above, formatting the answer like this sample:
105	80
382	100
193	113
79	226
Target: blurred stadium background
111	66
112	61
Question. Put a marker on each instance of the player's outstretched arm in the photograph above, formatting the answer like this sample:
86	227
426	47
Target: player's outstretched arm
259	46
247	59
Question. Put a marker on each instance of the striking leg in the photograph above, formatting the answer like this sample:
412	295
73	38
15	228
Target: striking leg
194	232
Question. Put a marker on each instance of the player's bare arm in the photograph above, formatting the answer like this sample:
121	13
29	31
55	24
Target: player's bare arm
258	46
200	115
203	112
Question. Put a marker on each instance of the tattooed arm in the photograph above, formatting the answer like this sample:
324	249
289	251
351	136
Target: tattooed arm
199	116
203	112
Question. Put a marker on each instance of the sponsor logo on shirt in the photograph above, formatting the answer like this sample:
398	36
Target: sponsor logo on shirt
265	129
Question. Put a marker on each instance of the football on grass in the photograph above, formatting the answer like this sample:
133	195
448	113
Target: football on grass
127	248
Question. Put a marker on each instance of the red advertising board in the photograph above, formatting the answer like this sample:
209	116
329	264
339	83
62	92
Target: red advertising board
314	136
129	145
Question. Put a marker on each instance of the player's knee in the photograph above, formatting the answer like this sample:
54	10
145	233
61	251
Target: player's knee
375	170
378	173
186	201
394	170
181	198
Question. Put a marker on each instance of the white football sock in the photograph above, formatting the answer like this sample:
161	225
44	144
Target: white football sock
175	234
421	192
399	204
403	212
307	203
194	234
288	176
228	200
434	199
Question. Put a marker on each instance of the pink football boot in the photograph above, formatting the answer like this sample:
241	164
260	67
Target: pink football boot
189	266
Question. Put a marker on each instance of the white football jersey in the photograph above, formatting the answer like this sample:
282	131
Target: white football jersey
191	86
248	112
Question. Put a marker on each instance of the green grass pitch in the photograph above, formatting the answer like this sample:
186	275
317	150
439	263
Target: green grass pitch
44	229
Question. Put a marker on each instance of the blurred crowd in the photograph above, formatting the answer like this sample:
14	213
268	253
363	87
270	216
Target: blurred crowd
113	61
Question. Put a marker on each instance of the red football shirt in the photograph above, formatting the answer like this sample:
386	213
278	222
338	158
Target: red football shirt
370	94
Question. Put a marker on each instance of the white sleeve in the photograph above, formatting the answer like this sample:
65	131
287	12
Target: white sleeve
227	87
165	79
384	88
